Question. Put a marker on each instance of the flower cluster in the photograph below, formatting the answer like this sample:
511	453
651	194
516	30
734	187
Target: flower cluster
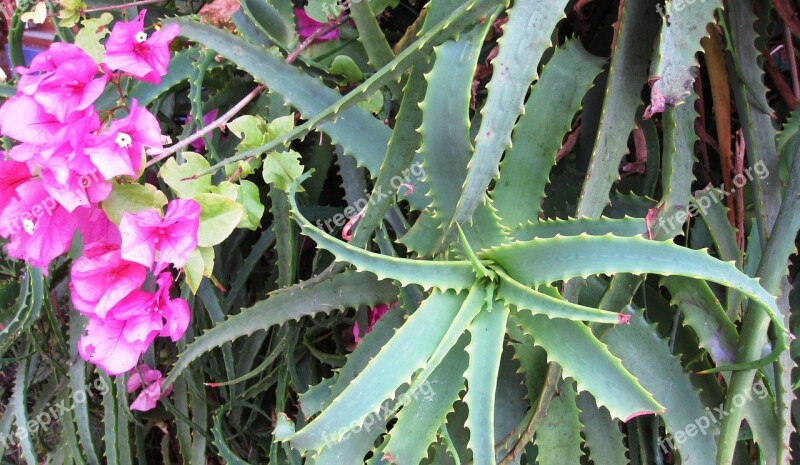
62	166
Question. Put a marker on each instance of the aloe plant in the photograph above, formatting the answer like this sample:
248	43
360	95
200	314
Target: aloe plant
466	231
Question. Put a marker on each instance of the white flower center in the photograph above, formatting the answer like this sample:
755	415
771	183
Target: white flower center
140	36
123	140
28	226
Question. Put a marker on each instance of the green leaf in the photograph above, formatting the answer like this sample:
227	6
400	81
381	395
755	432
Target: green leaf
585	356
558	438
648	357
250	198
343	65
526	36
544	261
485	348
174	175
278	127
219	216
250	129
132	198
605	441
420	420
394	365
199	264
38	15
282	168
319	10
439	274
549	111
90	35
373	104
679	42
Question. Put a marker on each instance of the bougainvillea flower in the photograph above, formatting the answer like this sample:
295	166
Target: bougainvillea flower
146	236
104	345
12	175
94	226
38	227
118	150
63	80
151	379
101	279
307	26
153	313
24	119
375	314
131	50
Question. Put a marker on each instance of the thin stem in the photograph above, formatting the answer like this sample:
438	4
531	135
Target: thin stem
120	7
160	154
322	30
550	388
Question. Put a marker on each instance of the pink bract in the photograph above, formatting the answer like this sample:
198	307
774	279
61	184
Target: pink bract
24	119
375	314
148	238
38	227
118	150
133	51
104	345
153	313
151	379
307	26
101	279
63	80
12	175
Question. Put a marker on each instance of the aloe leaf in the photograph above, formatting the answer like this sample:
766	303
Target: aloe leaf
269	20
558	438
717	334
648	357
394	365
679	41
631	55
77	383
20	390
342	291
443	275
584	356
548	115
755	113
552	305
370	35
526	36
110	422
605	441
225	452
625	227
363	354
446	146
485	348
544	261
420	420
